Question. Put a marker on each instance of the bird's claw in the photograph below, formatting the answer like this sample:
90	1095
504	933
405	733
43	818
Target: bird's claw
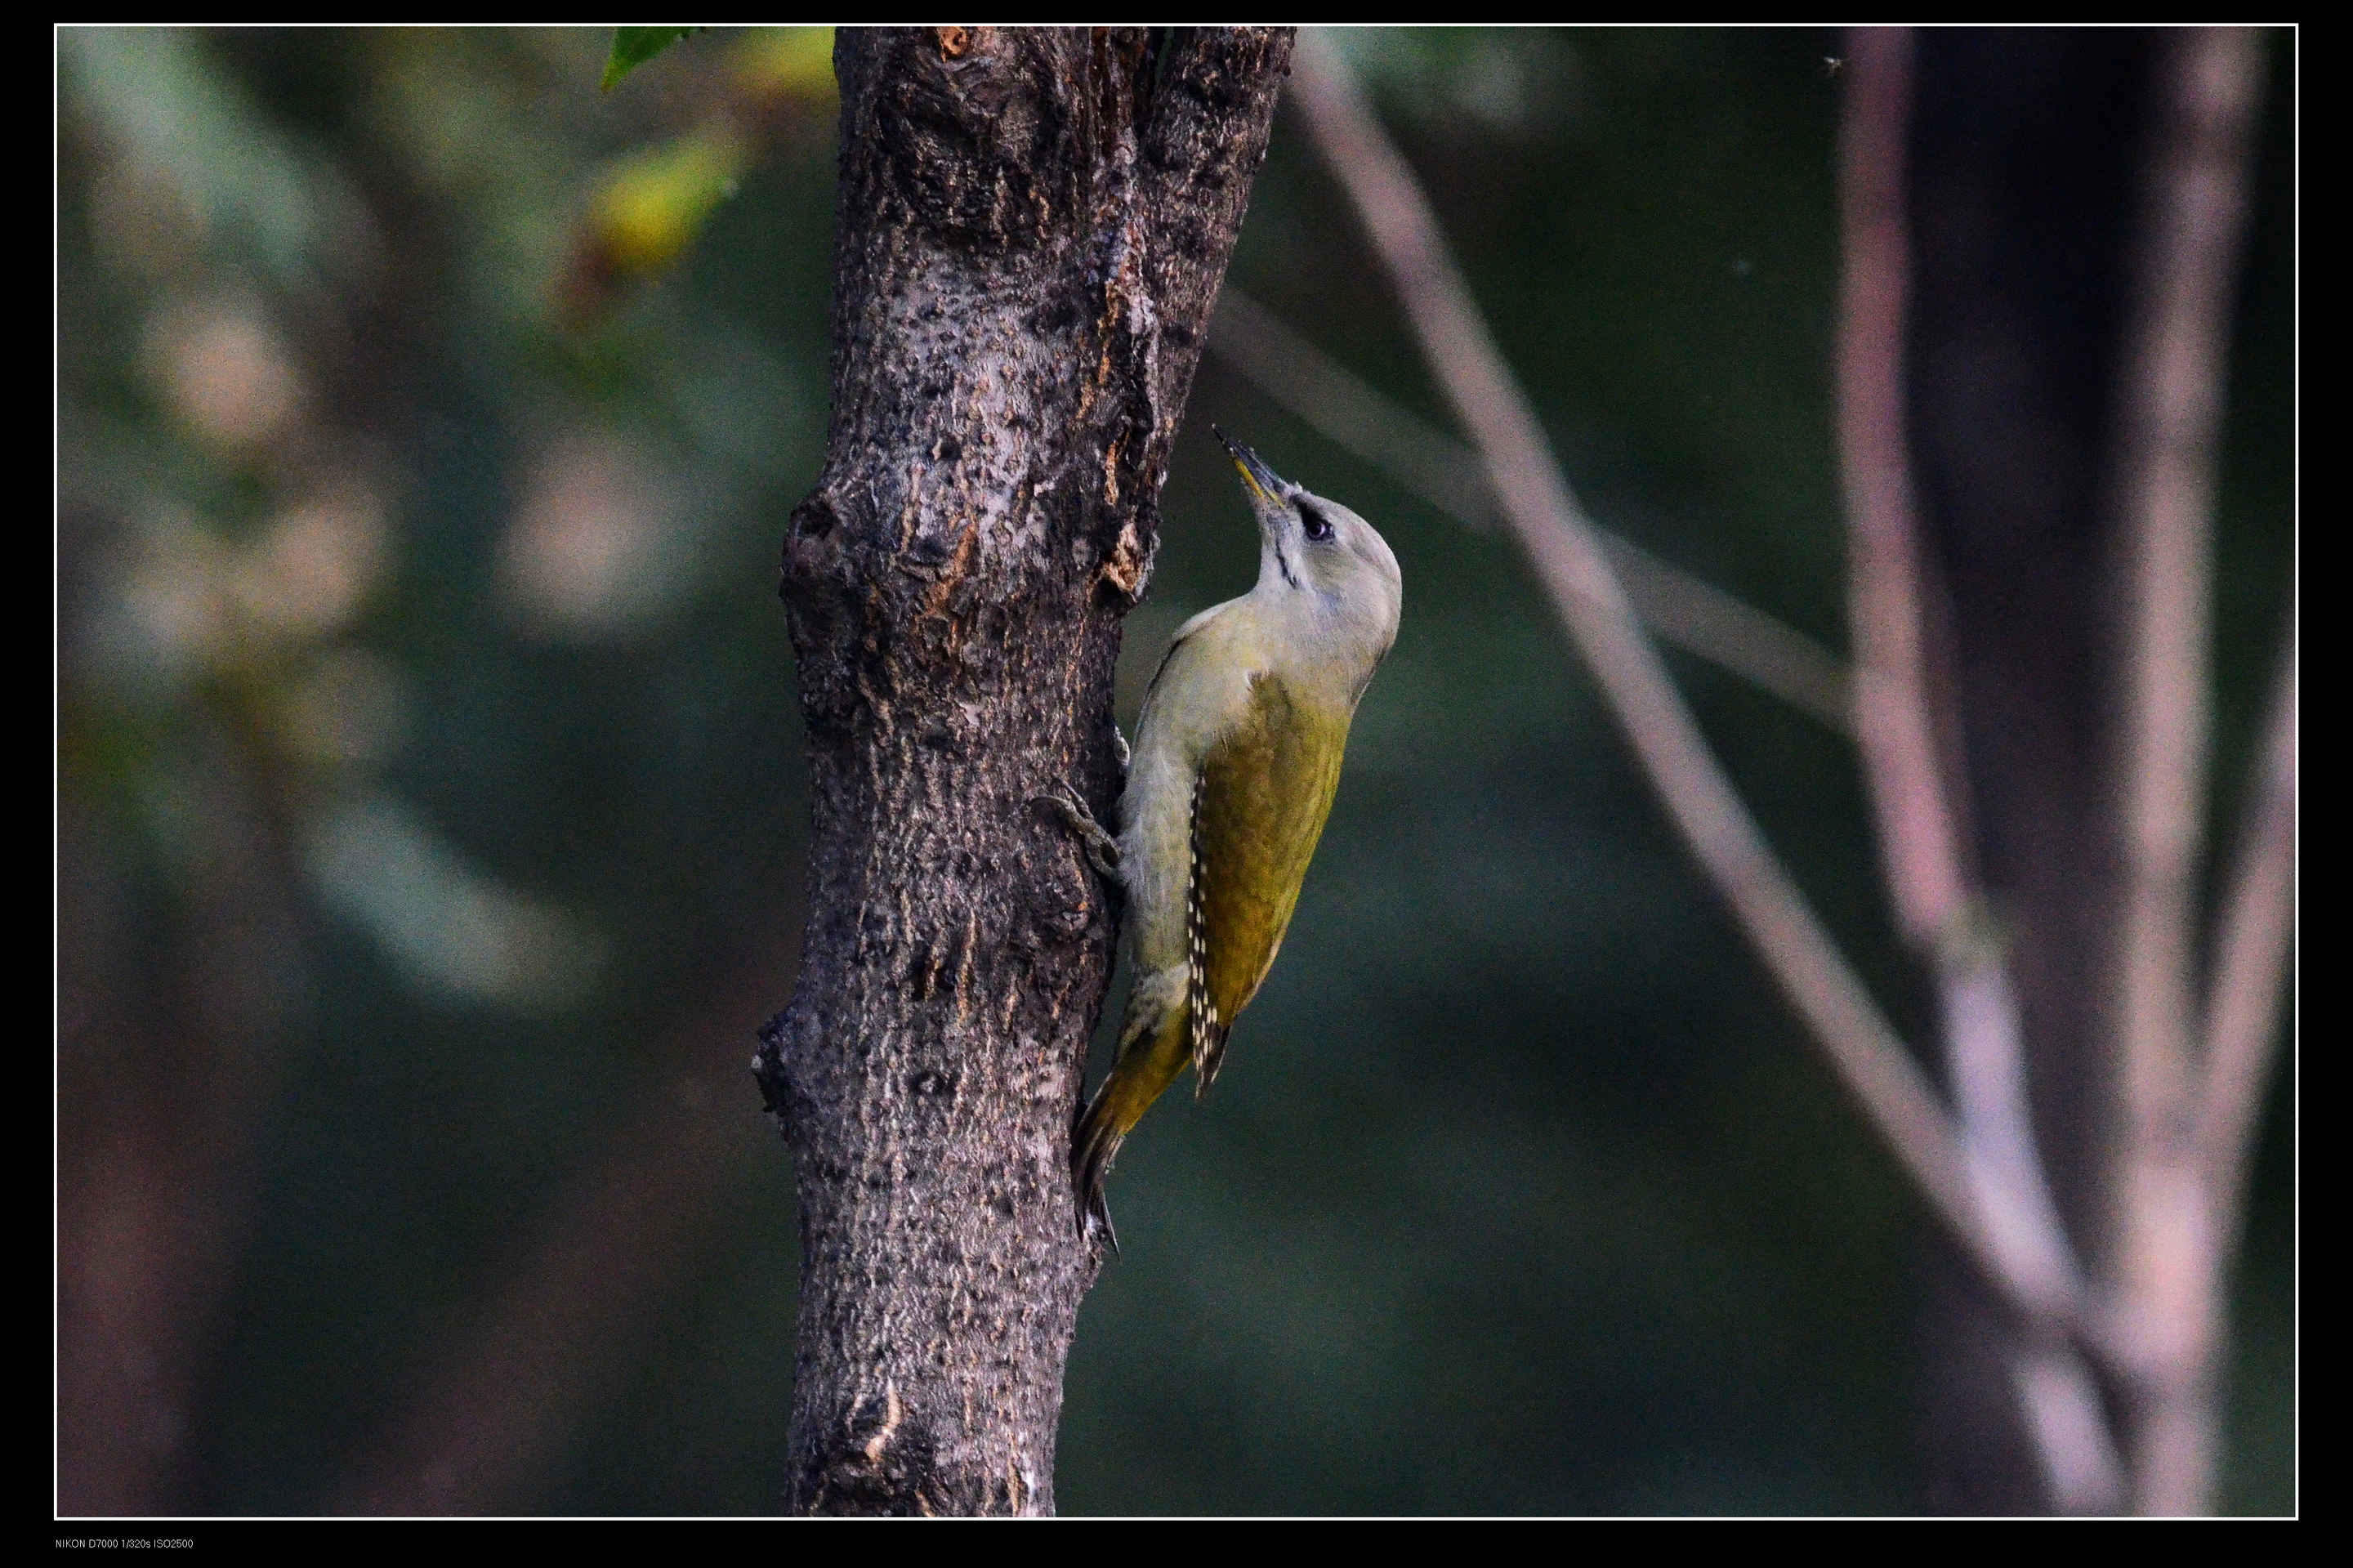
1102	850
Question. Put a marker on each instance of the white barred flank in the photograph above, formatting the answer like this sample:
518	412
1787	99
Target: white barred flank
1205	1032
1203	1019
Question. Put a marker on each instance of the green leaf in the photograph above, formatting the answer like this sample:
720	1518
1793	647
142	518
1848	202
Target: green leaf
633	46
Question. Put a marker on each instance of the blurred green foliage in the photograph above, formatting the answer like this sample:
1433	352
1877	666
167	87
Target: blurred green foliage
418	506
633	46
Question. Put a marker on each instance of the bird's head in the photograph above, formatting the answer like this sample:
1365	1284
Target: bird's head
1310	546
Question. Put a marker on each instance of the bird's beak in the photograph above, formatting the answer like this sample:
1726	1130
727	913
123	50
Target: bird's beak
1263	480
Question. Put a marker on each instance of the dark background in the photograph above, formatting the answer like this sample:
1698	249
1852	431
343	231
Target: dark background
430	812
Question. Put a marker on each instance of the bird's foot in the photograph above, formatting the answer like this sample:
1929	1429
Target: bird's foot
1102	850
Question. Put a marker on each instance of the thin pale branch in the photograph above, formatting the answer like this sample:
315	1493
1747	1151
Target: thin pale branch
2256	921
2069	1423
1916	838
1576	571
1350	412
1682	609
2171	419
1703	619
2065	1417
1922	843
2168	1259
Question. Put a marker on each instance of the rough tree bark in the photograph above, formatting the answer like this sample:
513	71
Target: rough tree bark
1031	228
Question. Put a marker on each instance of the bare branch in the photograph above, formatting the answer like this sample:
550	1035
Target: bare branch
1937	905
1916	836
2172	406
2257	918
2081	1468
1701	618
2168	1258
1682	609
2069	1425
1576	571
1349	411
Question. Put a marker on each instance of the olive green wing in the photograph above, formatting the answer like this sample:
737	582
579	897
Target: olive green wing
1264	791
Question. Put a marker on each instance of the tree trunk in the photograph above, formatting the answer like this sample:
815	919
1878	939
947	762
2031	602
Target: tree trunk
1031	228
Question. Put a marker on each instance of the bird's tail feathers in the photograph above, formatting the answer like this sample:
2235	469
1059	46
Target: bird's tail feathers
1096	1145
1151	1053
1208	1056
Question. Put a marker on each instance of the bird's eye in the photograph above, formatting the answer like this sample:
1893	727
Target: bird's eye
1319	527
